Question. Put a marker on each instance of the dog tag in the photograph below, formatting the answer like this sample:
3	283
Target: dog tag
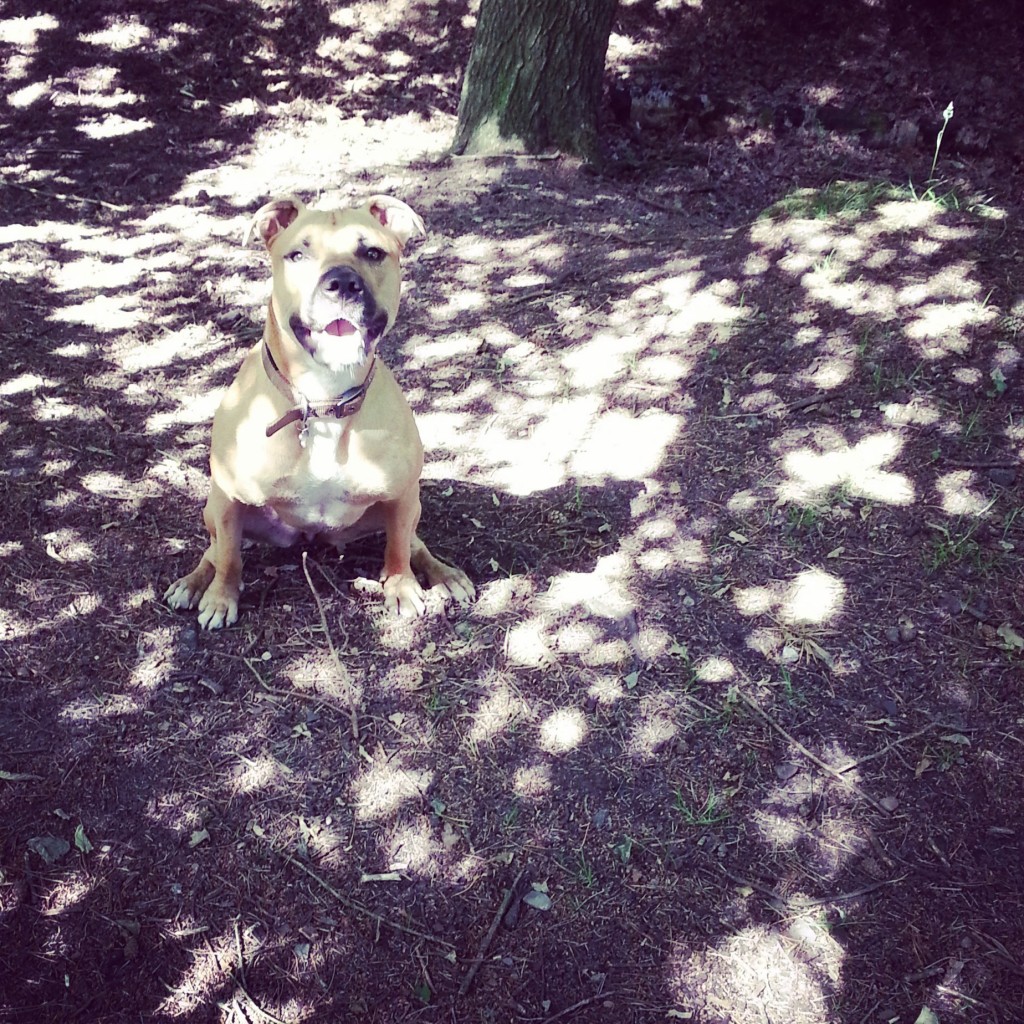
303	435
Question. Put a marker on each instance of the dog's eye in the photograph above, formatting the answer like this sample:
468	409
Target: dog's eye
295	256
373	254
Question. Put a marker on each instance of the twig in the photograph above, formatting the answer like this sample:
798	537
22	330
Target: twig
256	1008
62	196
885	750
358	908
238	952
777	410
578	1006
813	758
489	937
342	671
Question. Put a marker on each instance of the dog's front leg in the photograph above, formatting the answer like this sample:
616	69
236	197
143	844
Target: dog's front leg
216	582
402	593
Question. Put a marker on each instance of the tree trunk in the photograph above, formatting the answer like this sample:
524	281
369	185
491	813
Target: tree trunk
533	82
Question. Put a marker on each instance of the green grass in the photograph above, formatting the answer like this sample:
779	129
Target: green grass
701	813
957	547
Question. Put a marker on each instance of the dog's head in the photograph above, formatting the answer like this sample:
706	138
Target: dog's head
337	274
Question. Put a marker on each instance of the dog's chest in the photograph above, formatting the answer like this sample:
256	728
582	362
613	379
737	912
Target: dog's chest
330	486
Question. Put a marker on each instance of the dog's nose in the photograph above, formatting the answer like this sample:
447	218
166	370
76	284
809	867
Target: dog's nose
340	282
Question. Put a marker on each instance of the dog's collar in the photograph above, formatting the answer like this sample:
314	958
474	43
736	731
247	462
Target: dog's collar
346	404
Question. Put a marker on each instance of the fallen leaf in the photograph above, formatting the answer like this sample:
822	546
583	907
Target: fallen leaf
82	840
449	837
740	538
537	900
17	777
199	836
631	680
50	848
926	1016
1011	636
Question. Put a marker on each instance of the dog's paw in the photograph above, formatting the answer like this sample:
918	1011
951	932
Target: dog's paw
217	609
181	594
216	612
404	596
460	587
452	582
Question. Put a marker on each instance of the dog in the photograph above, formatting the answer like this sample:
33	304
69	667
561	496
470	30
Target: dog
314	438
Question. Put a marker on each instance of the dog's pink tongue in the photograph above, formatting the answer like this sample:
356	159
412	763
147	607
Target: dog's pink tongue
339	328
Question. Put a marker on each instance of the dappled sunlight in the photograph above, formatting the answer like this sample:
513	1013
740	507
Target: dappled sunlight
760	974
714	670
656	725
381	789
959	494
856	468
501	710
563	731
813	597
532	782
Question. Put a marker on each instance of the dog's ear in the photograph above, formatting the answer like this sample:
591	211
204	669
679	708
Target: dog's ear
271	219
401	220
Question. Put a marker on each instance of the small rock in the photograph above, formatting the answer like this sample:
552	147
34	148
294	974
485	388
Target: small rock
1002	476
889	803
786	771
907	631
892	634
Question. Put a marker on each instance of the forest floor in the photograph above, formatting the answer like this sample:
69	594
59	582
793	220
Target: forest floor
728	433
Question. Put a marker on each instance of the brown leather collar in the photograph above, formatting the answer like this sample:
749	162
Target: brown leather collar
346	404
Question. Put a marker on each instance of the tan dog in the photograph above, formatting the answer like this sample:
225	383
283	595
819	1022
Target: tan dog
314	437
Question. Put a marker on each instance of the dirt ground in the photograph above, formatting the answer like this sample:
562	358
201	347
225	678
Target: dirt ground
728	433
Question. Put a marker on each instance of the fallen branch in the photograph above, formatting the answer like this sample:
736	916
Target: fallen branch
342	671
358	908
489	937
813	758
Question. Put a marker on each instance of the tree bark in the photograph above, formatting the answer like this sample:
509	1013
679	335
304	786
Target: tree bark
533	82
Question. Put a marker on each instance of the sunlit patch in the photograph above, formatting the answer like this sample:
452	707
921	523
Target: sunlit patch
655	726
857	468
813	597
501	595
28	94
383	788
526	644
762	975
26	382
107	313
414	848
113	126
254	774
757	600
66	545
562	731
603	592
576	638
195	988
715	670
601	359
94	709
25	31
122	33
958	497
155	664
607	689
625	447
500	711
532	782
